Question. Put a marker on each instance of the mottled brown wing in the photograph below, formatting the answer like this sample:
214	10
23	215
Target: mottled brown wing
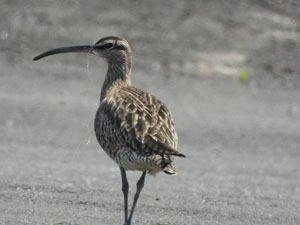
148	123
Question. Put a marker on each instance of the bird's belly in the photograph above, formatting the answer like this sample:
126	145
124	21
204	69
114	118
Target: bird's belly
130	160
127	158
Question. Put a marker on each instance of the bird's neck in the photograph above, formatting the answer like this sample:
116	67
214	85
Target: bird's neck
117	73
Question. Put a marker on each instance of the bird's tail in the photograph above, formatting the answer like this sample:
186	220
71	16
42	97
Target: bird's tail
166	162
167	165
170	169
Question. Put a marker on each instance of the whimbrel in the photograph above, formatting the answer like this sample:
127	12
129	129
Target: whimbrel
133	127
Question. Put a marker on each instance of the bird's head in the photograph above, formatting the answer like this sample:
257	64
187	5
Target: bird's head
113	49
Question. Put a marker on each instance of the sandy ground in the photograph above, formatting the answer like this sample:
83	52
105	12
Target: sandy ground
242	139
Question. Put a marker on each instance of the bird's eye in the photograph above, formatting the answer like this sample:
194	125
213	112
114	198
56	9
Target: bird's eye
108	45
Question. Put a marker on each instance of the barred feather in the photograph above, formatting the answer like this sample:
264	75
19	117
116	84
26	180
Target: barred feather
132	119
133	127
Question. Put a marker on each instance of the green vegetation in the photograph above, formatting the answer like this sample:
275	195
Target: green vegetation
243	76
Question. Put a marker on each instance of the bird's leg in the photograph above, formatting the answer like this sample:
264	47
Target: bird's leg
139	187
125	188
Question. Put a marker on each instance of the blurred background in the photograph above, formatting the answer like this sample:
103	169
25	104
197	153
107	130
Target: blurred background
229	72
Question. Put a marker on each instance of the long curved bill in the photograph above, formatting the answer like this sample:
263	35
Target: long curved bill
82	48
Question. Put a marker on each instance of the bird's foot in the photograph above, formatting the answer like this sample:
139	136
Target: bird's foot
127	222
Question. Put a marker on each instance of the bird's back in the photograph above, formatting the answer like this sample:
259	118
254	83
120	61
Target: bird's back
136	130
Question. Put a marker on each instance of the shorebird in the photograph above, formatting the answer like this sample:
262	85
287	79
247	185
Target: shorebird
133	127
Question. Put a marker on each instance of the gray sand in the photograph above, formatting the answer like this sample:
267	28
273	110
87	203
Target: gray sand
242	139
